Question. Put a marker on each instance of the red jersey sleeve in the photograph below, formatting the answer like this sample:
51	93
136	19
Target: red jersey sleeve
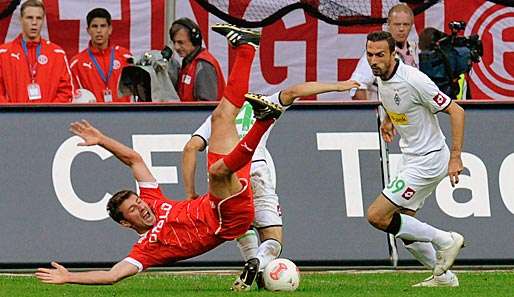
144	255
150	192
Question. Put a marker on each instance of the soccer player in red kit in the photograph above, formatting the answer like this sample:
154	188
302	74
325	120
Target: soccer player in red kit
176	230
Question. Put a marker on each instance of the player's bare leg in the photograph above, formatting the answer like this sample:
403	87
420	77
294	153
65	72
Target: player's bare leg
224	135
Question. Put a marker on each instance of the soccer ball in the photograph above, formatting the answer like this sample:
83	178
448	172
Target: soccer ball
281	275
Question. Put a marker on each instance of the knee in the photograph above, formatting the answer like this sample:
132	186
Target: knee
223	114
376	219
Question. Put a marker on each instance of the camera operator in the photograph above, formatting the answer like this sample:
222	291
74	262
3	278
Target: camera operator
447	59
199	78
400	19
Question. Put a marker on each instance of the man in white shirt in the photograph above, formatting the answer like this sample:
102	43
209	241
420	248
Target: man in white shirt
400	19
411	101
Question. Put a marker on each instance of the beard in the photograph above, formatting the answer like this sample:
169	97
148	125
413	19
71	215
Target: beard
377	71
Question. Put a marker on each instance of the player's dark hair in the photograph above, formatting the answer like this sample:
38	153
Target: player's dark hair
32	3
383	35
113	206
98	13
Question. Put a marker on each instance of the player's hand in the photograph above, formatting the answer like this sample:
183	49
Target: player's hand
347	85
455	168
388	131
84	129
57	275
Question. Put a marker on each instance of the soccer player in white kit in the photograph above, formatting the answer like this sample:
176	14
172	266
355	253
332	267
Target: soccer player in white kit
411	101
268	217
400	20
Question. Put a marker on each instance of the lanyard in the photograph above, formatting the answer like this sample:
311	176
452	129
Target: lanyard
99	69
32	68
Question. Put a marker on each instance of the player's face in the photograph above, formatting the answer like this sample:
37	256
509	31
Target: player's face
32	22
380	58
100	31
182	44
400	24
137	213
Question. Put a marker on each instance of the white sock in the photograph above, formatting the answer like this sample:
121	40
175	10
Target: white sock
248	244
275	98
424	252
414	230
268	251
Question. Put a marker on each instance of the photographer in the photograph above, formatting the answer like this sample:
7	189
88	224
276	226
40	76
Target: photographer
199	78
447	59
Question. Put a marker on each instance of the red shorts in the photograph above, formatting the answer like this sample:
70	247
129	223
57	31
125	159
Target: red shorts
235	214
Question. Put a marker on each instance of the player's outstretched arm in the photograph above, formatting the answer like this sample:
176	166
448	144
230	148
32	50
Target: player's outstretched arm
128	156
192	147
288	95
455	165
59	275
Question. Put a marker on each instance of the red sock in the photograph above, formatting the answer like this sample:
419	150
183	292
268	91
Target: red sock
243	152
237	83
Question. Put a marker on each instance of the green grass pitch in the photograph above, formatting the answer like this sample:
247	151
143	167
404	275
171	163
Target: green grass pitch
488	284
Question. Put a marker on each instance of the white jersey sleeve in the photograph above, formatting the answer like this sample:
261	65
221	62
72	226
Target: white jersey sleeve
363	75
204	131
429	94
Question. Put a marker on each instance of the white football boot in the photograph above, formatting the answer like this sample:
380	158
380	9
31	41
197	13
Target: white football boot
446	257
447	279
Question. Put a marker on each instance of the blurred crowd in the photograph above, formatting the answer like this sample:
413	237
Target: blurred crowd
35	70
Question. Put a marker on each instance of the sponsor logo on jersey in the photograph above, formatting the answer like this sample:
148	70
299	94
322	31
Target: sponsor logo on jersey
398	118
408	193
439	99
166	208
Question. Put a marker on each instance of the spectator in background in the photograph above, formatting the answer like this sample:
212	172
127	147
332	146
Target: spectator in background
33	70
98	67
200	77
400	19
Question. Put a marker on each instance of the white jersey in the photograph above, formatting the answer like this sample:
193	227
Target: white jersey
364	76
411	100
244	121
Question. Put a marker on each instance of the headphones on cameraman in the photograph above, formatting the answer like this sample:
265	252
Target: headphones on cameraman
194	31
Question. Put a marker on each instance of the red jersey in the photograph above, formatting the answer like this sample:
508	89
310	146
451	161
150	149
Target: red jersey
99	71
183	229
41	68
188	228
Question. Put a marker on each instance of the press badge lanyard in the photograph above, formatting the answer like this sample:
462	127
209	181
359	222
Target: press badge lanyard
33	89
107	93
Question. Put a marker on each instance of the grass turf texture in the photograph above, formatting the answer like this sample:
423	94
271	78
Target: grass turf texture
496	284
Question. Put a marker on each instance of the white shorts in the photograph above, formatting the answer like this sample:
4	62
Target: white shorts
418	177
265	199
